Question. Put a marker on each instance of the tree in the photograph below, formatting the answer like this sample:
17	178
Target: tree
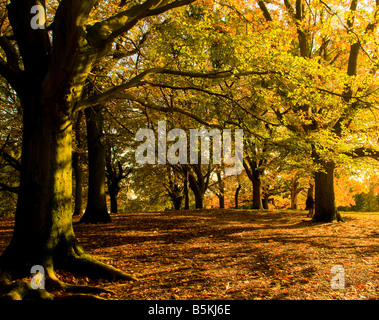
96	210
77	165
48	68
115	173
326	51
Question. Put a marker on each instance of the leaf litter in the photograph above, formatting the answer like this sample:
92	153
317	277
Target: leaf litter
231	254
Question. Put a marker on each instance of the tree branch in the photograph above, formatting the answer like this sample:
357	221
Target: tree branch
151	105
364	152
5	187
13	162
265	12
68	31
115	92
34	45
104	32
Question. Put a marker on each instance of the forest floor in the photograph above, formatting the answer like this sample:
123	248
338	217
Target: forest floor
231	254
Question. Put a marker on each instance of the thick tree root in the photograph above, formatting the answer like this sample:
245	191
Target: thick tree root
21	289
79	264
87	265
71	257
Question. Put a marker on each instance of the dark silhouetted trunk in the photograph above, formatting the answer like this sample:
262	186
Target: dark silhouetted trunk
236	196
186	191
77	167
113	193
325	207
198	184
221	190
78	172
257	192
96	210
254	171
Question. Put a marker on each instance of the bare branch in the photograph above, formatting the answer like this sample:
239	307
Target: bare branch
148	104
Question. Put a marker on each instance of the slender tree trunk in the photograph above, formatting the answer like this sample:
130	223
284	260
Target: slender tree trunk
311	189
78	172
257	193
265	201
77	166
197	186
294	194
236	196
199	198
221	187
177	202
96	210
221	200
186	192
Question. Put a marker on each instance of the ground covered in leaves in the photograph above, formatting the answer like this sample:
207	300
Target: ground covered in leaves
231	254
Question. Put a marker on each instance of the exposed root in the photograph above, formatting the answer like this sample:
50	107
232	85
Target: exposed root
87	265
339	217
22	289
79	296
73	260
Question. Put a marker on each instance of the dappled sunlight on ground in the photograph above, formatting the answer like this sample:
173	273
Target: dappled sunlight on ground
233	254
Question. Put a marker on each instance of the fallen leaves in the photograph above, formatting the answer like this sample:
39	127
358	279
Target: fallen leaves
231	254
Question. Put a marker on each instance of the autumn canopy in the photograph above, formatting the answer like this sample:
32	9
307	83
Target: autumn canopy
292	84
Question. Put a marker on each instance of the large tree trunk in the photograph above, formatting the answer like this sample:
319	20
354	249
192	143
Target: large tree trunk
325	207
96	210
48	72
43	233
43	229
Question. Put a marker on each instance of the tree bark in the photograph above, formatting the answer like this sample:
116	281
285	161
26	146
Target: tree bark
113	197
294	193
77	167
221	199
236	196
186	191
253	171
197	184
78	172
196	189
43	230
96	210
49	85
199	199
325	207
257	192
221	189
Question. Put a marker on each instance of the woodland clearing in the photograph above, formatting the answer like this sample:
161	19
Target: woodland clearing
230	254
